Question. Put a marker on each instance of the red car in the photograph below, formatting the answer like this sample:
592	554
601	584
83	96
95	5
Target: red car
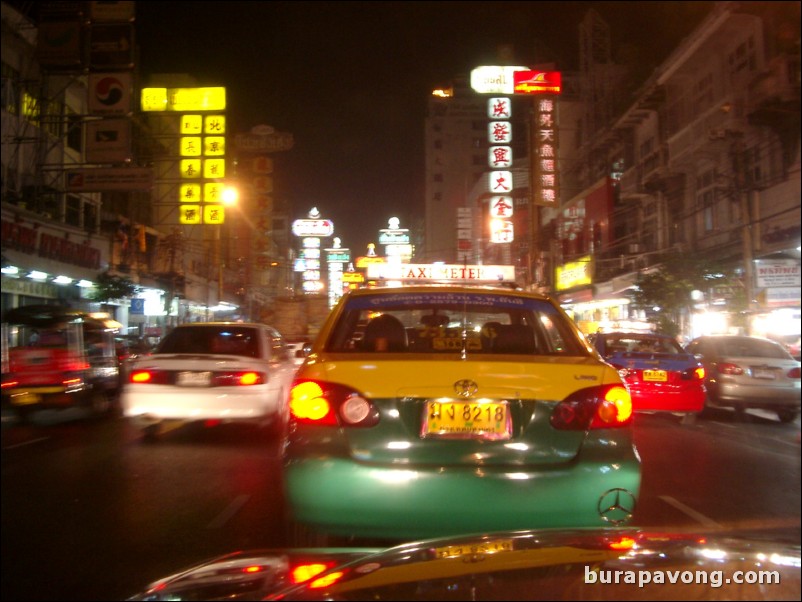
661	375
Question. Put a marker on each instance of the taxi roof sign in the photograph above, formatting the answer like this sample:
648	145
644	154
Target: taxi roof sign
438	272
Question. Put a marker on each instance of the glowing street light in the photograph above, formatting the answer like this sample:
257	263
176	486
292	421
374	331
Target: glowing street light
230	196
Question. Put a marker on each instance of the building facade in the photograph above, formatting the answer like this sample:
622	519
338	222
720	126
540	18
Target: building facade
701	159
91	183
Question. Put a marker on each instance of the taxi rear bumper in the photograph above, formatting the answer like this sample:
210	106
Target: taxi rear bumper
341	497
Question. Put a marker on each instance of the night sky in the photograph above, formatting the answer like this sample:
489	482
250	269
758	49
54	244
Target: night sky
350	80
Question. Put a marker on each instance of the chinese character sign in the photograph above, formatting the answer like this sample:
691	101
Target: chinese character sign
500	206
500	132
500	156
499	108
545	169
500	182
202	147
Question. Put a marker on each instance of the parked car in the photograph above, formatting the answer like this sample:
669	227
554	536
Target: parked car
744	372
661	375
211	371
431	410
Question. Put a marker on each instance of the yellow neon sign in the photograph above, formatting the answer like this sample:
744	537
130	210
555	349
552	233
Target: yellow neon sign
183	99
214	168
190	214
190	168
190	193
214	214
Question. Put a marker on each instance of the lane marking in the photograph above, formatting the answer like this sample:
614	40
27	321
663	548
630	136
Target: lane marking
697	516
230	511
24	443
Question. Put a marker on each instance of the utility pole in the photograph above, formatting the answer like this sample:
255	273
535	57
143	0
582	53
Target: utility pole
744	200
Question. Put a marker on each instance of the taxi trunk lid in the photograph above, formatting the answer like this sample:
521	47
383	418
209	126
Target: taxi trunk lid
528	390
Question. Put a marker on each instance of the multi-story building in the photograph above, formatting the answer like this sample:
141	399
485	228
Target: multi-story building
52	242
701	159
90	181
456	155
704	162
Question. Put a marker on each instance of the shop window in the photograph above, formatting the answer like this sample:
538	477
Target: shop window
53	119
72	210
707	202
74	131
90	217
10	90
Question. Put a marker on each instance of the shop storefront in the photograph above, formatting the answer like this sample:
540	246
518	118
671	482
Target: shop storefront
44	263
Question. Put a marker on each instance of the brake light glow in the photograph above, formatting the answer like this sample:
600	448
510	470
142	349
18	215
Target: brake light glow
10	383
607	406
307	403
623	543
141	376
793	372
148	376
697	373
249	378
305	572
234	379
327	580
323	403
615	408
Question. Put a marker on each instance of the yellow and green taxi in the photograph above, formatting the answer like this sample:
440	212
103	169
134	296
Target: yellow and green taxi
427	410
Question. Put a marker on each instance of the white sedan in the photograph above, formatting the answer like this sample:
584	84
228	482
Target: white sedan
213	372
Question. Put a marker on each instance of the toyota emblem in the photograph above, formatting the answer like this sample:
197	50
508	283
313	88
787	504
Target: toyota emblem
466	388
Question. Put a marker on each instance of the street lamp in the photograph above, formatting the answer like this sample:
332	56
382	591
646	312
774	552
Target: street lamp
230	197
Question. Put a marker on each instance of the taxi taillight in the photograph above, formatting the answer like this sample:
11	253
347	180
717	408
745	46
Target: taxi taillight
607	406
329	404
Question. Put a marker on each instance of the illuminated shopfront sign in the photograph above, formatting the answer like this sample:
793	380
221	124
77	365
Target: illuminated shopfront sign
183	99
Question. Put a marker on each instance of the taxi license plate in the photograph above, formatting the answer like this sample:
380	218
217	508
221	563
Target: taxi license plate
25	399
478	547
660	376
467	420
194	379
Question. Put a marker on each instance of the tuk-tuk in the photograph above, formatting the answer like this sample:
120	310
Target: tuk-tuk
57	357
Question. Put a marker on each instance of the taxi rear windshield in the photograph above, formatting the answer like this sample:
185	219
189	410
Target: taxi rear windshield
454	322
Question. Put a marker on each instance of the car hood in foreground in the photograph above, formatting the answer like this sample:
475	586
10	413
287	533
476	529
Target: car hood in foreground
609	564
